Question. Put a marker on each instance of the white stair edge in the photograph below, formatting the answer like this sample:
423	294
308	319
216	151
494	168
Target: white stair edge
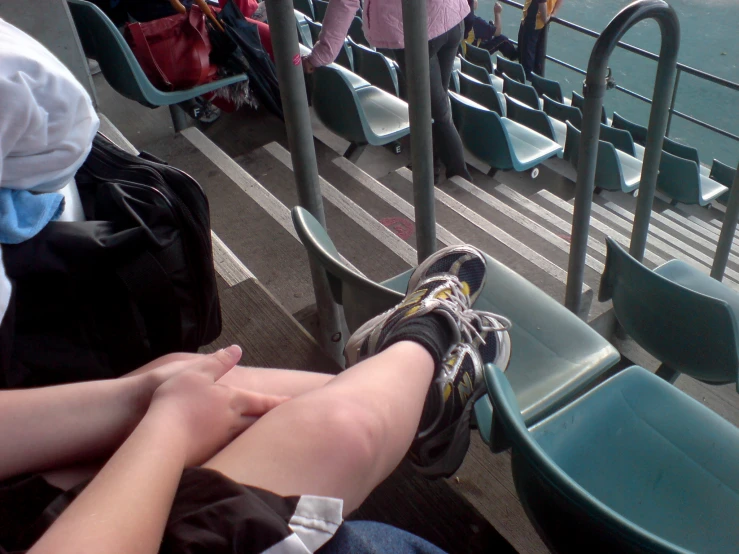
354	211
516	216
717	223
498	234
699	226
380	190
593	243
112	132
600	226
228	265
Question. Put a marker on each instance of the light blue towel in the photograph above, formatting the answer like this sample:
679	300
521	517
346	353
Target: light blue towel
23	214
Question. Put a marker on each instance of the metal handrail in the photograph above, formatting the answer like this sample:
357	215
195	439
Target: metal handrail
594	90
681	68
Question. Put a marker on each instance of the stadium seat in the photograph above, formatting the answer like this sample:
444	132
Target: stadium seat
481	74
547	87
579	102
530	117
638	132
523	93
513	69
305	7
345	58
356	31
562	112
304	31
376	68
479	56
722	173
681	180
481	93
319	9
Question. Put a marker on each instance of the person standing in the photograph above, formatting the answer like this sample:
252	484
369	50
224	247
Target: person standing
383	29
488	34
531	44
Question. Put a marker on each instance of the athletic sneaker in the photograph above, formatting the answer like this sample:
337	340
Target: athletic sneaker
444	434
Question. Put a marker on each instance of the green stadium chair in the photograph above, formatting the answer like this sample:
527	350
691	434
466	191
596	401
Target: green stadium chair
680	315
633	466
481	93
376	68
579	102
619	138
513	69
547	87
638	132
682	150
305	7
614	169
356	31
498	141
722	173
319	8
522	93
102	41
479	56
530	117
481	74
562	112
681	180
345	58
556	354
357	111
304	31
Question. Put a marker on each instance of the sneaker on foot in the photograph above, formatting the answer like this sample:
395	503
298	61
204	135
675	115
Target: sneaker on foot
444	433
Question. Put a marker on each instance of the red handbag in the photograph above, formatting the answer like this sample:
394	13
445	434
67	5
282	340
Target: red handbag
173	51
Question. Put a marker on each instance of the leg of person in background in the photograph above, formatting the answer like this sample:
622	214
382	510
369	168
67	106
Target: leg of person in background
501	44
528	38
541	51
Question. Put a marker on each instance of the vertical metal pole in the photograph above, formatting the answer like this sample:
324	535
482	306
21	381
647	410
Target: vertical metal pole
728	230
672	103
419	107
284	33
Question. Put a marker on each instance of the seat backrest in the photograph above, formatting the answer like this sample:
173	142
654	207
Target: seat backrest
528	116
608	171
454	81
475	71
315	29
482	131
362	299
547	87
304	32
482	93
102	41
619	138
579	102
682	150
513	69
336	104
562	112
356	31
305	7
722	173
638	133
479	56
691	332
521	92
374	67
319	9
679	178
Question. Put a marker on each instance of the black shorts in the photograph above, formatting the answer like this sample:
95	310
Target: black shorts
211	514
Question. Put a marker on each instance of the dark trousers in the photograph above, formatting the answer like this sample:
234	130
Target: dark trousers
448	145
501	44
531	47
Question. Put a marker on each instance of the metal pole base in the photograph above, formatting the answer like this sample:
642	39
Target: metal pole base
179	118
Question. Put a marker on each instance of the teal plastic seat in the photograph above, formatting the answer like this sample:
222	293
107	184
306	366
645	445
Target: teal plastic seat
479	56
681	150
345	57
638	132
619	138
681	316
579	102
547	87
475	71
376	68
356	31
305	7
555	354
681	180
319	9
498	141
530	117
614	169
523	93
633	466
102	41
514	70
304	31
481	93
722	173
562	112
357	111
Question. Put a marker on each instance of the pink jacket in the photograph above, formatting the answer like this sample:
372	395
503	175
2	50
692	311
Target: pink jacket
382	22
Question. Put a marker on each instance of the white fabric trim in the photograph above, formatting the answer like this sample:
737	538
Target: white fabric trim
316	520
4	288
289	545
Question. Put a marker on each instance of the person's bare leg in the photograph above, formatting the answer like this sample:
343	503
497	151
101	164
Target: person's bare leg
342	439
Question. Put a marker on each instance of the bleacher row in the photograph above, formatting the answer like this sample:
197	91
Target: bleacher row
503	121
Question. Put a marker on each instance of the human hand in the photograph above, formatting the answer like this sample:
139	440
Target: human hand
497	8
307	66
208	414
474	5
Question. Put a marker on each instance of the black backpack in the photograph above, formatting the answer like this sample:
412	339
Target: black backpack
99	298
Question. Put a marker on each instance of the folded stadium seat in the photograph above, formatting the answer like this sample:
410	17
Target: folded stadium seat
479	56
638	132
356	31
562	112
305	7
355	110
547	87
556	354
376	68
345	57
722	173
513	69
102	41
521	92
633	466
533	119
319	8
304	31
614	169
498	141
480	73
681	180
579	102
481	93
680	315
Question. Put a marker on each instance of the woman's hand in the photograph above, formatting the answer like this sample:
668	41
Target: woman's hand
209	415
307	66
